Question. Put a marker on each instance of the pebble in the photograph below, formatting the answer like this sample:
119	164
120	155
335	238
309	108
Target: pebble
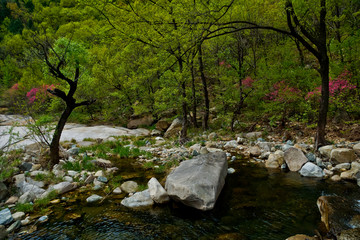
230	170
43	219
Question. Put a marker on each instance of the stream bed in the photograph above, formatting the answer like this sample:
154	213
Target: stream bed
255	203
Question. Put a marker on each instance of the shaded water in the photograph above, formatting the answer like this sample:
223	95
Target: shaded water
256	203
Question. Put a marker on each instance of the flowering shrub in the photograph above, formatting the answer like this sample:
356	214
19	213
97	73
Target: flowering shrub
248	82
283	93
342	93
40	93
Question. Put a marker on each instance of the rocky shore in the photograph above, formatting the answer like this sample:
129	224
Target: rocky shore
338	162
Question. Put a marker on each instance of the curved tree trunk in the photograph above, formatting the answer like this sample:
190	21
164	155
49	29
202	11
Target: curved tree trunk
205	124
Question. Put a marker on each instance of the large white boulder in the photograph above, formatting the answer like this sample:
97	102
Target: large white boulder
157	192
198	182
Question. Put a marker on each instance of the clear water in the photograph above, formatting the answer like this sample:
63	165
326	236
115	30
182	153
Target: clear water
256	203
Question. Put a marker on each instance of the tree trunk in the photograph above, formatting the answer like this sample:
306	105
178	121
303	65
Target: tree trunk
205	91
193	95
54	146
324	102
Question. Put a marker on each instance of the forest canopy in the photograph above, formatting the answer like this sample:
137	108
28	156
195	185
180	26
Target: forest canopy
214	63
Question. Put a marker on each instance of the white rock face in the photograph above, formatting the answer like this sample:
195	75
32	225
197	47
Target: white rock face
311	170
139	199
357	149
294	158
198	182
157	192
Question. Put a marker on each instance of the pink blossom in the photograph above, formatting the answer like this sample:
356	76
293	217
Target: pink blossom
247	82
15	86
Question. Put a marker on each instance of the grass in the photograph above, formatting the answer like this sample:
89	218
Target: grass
8	163
160	169
148	165
78	166
142	187
115	181
24	207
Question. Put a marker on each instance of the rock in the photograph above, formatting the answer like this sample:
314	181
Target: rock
204	150
328	172
12	200
326	151
5	217
26	197
99	173
26	221
319	162
89	179
336	212
40	184
35	190
342	167
352	173
16	225
311	157
301	237
129	186
230	171
73	151
253	135
102	179
3	191
342	155
139	199
275	160
231	145
174	128
117	191
230	236
18	215
350	234
64	187
38	172
139	121
157	192
72	173
335	178
19	179
162	125
68	179
294	159
3	233
198	182
97	187
265	146
155	132
25	166
35	167
311	170
196	147
94	198
255	151
285	147
43	219
212	136
356	148
240	140
98	183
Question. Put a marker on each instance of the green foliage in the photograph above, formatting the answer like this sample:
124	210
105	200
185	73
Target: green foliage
142	187
24	207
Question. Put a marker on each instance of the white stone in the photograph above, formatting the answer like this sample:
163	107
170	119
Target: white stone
157	192
326	150
231	144
68	179
18	216
64	187
342	155
99	173
294	158
230	171
139	199
129	186
72	173
311	170
94	198
117	191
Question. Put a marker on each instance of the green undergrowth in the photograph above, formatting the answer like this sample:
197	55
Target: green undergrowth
84	164
117	148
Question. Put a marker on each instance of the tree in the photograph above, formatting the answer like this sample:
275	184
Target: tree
63	61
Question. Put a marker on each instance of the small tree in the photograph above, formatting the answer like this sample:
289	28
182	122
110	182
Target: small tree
64	62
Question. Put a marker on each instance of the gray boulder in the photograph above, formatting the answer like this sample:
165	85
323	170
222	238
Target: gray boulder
275	160
157	192
174	128
16	225
231	144
294	159
5	217
3	233
253	135
35	190
353	173
139	199
198	182
342	155
26	197
265	146
3	191
311	170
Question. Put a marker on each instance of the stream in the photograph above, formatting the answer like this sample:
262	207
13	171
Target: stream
255	203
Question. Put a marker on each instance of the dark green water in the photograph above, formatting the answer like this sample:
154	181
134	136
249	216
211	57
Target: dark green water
255	204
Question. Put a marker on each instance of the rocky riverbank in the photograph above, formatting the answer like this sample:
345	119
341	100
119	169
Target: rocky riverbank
33	182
